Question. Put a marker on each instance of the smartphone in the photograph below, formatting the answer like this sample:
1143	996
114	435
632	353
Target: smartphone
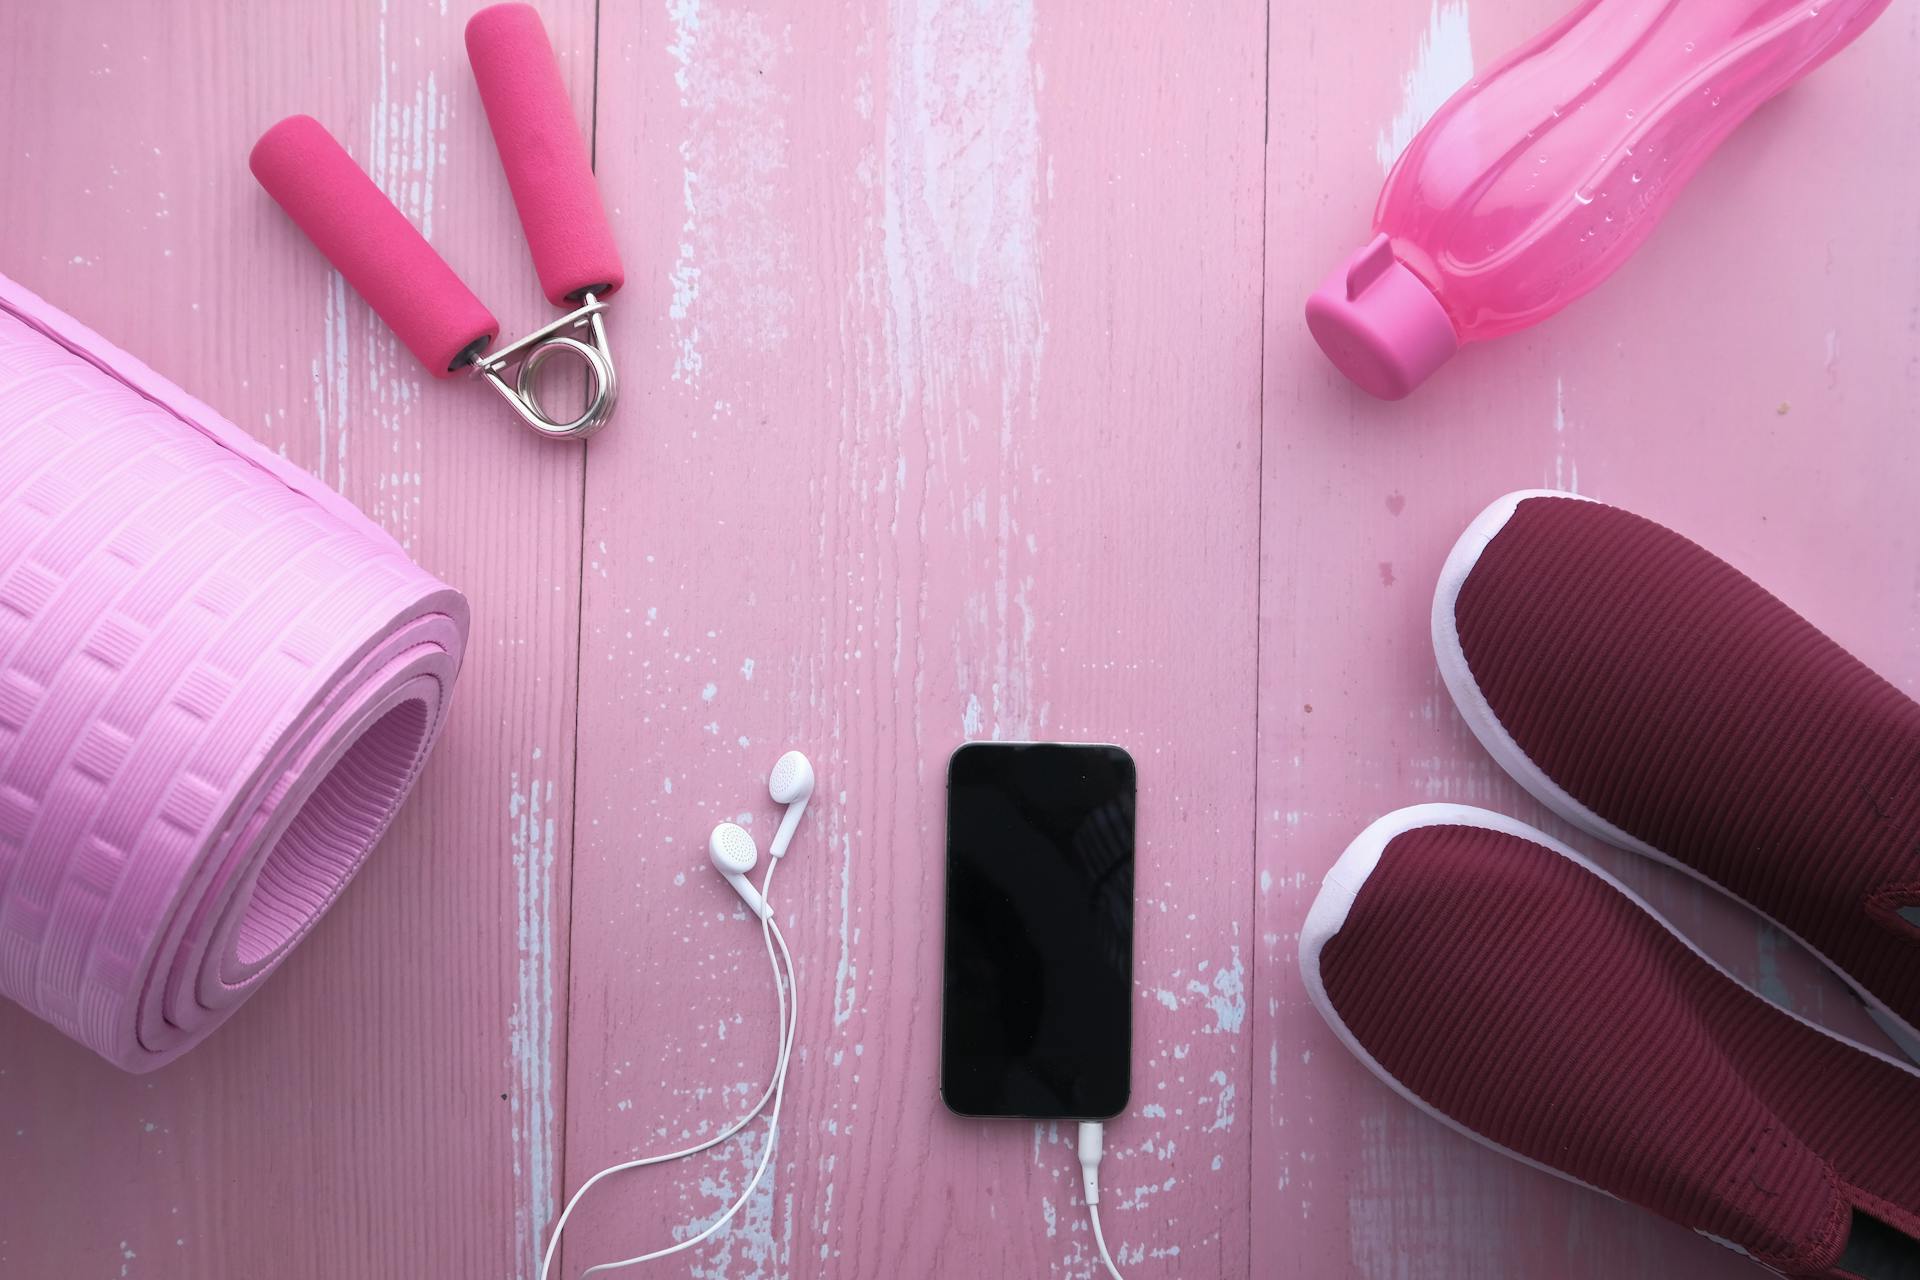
1037	993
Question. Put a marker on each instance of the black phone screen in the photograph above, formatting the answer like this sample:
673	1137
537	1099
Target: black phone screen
1037	999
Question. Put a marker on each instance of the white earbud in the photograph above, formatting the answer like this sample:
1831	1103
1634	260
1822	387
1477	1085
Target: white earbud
790	784
734	854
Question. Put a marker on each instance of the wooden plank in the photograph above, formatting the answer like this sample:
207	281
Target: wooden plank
942	341
1749	379
390	1104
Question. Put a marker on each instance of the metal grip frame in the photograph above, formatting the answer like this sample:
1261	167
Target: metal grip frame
542	345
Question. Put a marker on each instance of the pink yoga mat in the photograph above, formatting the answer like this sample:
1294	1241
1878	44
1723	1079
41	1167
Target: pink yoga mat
218	682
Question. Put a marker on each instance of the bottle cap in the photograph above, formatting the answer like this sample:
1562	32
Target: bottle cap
1380	324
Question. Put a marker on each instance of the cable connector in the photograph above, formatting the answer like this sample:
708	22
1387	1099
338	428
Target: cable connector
1093	1137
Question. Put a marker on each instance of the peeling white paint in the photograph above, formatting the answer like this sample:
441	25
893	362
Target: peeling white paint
530	1028
960	237
331	383
1226	995
1442	65
1223	1103
402	151
1565	475
746	1248
844	972
735	253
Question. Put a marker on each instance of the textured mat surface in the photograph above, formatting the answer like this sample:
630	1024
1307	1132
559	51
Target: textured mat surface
218	682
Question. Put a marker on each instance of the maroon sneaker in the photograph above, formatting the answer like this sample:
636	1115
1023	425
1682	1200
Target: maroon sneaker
1520	995
1651	694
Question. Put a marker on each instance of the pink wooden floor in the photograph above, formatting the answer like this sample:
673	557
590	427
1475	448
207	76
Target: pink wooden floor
965	395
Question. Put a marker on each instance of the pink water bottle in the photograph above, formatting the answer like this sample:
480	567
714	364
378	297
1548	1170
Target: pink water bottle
1533	183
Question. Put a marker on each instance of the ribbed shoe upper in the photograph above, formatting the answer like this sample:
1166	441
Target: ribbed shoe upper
1517	993
1677	700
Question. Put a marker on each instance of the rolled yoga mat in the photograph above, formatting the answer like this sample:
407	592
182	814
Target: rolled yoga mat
218	682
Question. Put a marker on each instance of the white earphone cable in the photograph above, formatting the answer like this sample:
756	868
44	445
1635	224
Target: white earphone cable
769	932
773	1126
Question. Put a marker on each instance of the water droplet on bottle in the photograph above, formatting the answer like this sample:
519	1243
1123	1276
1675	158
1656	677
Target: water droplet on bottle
1583	197
1629	113
1688	46
1609	217
1715	101
1635	176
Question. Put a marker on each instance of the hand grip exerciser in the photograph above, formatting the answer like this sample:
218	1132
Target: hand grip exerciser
412	288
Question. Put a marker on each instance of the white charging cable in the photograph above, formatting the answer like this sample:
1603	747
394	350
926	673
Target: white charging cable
1093	1137
784	985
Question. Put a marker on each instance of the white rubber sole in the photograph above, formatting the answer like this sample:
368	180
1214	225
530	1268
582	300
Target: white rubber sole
1486	726
1343	884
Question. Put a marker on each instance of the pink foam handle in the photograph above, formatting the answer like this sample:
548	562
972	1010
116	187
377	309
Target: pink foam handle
544	155
372	244
218	682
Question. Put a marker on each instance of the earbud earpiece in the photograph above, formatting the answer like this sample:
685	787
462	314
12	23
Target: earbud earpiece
790	784
734	854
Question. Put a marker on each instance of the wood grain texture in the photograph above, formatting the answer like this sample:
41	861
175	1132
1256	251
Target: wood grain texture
965	395
946	427
390	1103
1748	378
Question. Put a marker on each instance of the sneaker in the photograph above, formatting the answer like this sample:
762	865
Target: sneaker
1655	697
1520	995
